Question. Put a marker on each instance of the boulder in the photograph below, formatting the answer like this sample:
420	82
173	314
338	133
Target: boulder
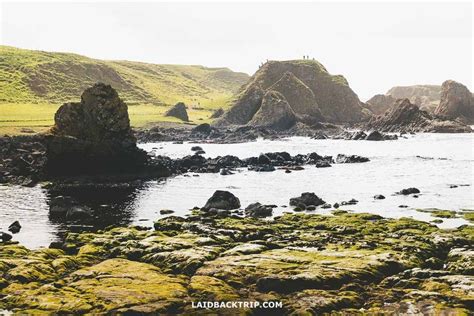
456	102
409	191
93	136
5	237
14	227
204	128
375	135
223	200
178	111
258	210
341	158
307	198
274	113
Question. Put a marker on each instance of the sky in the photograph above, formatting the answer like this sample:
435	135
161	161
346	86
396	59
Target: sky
374	45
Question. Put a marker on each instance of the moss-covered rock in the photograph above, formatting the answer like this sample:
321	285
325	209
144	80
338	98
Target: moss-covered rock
313	264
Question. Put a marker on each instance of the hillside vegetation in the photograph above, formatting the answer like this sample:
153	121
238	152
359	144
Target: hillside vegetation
34	83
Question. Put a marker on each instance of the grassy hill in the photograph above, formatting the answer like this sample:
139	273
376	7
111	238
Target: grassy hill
34	83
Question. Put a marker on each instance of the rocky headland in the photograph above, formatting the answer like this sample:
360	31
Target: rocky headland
286	92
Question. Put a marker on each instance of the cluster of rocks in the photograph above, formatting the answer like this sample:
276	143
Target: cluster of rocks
405	117
345	264
371	135
206	133
443	109
262	163
22	160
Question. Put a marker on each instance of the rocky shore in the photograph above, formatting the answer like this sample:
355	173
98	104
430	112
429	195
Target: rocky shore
346	263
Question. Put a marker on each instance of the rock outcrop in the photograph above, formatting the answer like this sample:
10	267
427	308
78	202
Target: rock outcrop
345	264
456	102
313	94
425	96
406	117
93	135
380	103
274	113
178	111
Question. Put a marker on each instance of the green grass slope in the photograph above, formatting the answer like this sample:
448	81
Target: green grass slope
28	76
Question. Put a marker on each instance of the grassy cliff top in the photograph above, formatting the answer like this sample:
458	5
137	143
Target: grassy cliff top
28	76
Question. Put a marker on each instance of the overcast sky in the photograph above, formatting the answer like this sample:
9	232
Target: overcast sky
375	46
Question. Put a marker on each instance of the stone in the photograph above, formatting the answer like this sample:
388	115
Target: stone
14	227
178	111
341	158
379	197
375	135
306	198
409	191
223	200
5	237
258	210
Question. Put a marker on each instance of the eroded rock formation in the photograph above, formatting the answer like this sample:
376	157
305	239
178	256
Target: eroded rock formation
274	113
456	102
407	117
312	93
93	135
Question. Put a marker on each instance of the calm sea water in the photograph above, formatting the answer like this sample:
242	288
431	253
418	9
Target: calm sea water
430	162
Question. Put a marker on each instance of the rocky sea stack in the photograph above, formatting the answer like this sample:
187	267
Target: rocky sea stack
406	117
456	102
311	94
93	135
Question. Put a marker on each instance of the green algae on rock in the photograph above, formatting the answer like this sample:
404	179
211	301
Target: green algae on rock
313	264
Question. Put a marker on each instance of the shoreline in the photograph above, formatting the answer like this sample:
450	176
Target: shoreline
310	263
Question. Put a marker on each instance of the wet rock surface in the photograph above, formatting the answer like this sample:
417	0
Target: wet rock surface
346	263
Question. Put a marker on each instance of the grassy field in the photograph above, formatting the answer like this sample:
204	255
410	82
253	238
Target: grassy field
17	119
33	84
37	77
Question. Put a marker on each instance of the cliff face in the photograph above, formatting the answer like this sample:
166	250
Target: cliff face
311	92
406	117
425	96
380	103
456	102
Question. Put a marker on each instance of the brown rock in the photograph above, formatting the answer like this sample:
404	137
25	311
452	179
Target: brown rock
298	81
456	102
407	117
275	113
